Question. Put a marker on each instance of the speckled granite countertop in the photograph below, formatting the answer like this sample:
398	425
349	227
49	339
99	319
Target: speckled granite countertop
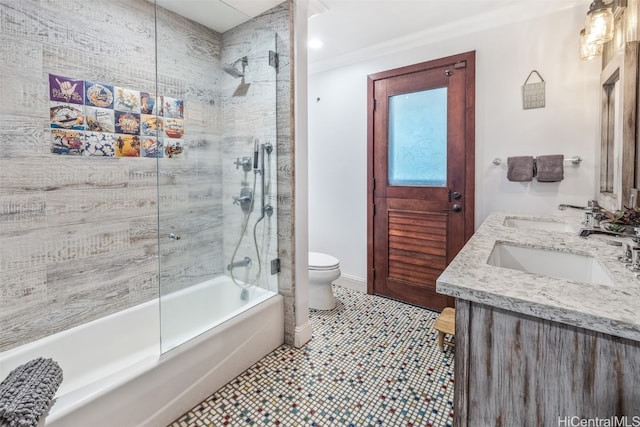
612	309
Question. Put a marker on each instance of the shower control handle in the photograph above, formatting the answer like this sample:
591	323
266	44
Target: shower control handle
245	200
174	236
245	162
240	200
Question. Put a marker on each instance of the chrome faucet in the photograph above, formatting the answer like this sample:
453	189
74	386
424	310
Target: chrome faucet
591	204
631	252
587	231
241	263
564	206
627	252
634	248
592	214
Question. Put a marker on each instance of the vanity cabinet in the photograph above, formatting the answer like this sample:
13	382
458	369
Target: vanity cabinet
513	369
536	348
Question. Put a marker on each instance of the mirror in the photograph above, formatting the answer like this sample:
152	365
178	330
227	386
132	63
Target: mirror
618	161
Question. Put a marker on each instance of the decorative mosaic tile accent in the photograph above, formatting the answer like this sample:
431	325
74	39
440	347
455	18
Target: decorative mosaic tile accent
371	362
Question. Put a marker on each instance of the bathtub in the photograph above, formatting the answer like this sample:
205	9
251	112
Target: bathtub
129	383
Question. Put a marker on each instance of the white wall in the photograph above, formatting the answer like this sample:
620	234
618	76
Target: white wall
303	330
504	58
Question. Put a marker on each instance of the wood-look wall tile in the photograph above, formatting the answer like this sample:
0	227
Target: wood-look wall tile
23	136
23	288
20	58
23	19
21	212
91	206
23	252
79	235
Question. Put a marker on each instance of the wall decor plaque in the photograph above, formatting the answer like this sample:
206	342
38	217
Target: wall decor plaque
533	93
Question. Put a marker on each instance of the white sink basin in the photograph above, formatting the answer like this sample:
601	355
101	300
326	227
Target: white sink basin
546	262
539	224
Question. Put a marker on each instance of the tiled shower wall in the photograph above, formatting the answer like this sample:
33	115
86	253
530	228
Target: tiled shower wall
248	113
79	236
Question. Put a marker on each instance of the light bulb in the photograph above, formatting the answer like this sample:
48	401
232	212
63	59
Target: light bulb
599	23
588	51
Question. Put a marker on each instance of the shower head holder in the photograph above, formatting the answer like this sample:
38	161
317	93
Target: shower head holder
244	61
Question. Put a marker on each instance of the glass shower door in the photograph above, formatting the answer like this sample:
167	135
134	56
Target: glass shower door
216	166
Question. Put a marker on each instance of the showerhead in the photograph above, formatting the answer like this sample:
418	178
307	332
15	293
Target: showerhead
232	70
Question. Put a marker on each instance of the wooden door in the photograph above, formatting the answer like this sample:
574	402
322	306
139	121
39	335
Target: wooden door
421	176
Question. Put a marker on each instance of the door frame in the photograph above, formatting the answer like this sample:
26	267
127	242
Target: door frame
469	163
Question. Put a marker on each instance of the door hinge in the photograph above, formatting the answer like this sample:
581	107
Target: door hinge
375	104
374	184
373	273
461	64
275	266
374	210
274	60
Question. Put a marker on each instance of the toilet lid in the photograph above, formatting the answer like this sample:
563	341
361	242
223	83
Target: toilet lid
319	261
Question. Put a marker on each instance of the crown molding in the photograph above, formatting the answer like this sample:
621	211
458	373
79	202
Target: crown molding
518	12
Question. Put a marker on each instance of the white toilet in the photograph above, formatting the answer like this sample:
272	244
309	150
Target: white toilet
323	269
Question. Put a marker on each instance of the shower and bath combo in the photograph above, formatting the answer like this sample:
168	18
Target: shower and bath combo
246	200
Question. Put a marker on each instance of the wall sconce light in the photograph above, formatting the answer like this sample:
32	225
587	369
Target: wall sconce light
588	51
599	24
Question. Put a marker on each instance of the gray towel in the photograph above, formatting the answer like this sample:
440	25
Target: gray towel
27	392
550	168
520	168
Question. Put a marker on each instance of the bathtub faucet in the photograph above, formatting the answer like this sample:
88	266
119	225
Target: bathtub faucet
246	261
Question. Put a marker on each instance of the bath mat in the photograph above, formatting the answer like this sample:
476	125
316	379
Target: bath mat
27	392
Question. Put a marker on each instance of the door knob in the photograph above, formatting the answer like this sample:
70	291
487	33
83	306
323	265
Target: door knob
456	208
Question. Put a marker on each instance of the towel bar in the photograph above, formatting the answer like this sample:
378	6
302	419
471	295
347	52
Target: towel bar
576	160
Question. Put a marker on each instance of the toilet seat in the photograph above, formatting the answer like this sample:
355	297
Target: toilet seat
322	262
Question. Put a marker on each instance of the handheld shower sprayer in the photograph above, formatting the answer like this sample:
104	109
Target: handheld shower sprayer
246	202
256	151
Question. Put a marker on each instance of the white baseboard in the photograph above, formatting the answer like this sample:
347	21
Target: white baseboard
302	335
352	282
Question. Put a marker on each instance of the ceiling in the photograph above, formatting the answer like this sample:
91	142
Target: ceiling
217	14
352	27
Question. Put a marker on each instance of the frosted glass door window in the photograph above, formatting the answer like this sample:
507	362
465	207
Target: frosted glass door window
418	138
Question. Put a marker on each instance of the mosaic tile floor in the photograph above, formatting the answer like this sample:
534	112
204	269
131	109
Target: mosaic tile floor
371	362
